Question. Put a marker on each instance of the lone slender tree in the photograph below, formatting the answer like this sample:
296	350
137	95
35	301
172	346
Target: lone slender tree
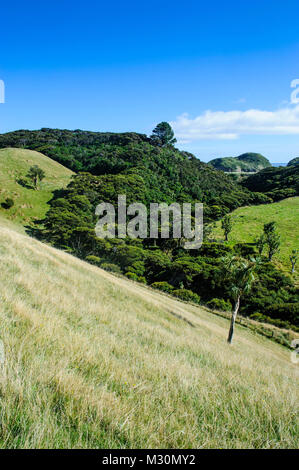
293	259
227	226
163	135
260	244
272	239
239	274
35	174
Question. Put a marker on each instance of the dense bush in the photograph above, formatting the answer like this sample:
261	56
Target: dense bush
164	286
276	322
220	304
93	260
8	203
167	174
131	276
111	267
186	295
277	183
286	311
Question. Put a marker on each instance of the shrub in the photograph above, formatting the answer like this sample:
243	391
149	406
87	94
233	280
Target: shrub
186	295
8	203
113	268
215	250
286	311
164	286
260	317
137	267
261	198
142	279
93	260
132	276
245	249
220	304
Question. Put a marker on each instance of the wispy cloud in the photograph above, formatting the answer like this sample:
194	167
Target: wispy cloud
232	124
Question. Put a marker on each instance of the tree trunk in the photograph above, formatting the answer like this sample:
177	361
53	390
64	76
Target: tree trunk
233	319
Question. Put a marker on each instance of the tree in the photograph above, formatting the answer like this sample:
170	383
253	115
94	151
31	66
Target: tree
272	239
8	203
239	274
260	244
35	174
293	259
227	226
163	135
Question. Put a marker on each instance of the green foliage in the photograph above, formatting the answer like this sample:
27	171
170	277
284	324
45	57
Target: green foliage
293	259
186	295
260	243
8	203
277	183
226	225
239	275
164	286
36	175
247	162
163	135
249	222
165	173
132	276
111	267
271	239
260	317
220	304
93	260
294	161
287	311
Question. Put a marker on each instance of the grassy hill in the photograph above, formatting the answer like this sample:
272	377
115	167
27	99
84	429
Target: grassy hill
248	223
29	204
92	360
247	162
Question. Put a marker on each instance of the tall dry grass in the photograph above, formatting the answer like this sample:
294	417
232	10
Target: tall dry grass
97	361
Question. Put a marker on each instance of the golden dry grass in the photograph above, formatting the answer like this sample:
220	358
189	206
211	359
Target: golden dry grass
93	360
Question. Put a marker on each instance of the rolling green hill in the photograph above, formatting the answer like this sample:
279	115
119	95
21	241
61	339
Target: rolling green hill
248	223
277	183
95	361
294	161
247	162
29	204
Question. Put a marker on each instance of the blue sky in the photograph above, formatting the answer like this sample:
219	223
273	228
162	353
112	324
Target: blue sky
220	72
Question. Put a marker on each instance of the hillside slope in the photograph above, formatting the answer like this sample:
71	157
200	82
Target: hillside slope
247	162
92	360
276	182
248	224
29	204
168	175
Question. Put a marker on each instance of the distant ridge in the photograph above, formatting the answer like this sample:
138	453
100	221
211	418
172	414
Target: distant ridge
245	163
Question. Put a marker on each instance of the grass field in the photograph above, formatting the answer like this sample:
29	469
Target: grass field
29	204
92	360
248	224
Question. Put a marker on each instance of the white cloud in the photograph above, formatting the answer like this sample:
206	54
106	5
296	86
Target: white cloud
231	124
